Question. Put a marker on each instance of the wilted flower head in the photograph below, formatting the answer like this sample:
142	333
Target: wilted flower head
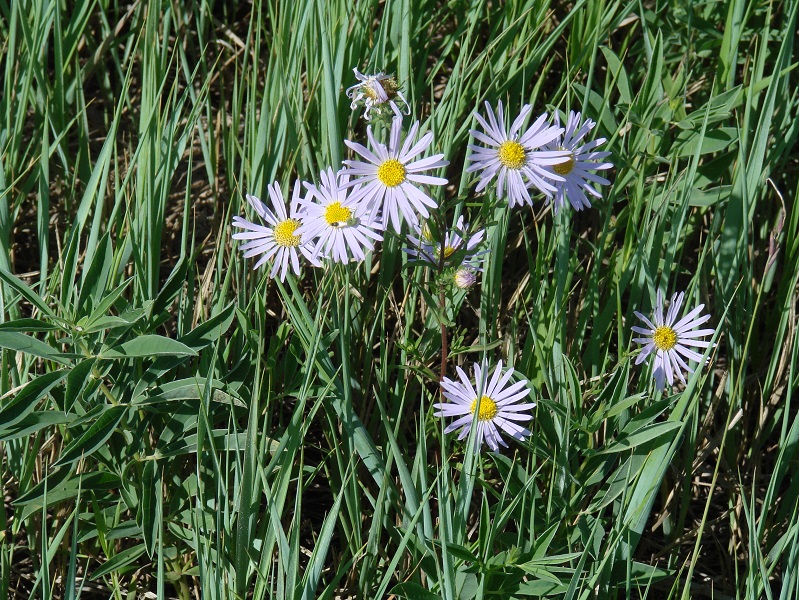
496	407
670	341
375	92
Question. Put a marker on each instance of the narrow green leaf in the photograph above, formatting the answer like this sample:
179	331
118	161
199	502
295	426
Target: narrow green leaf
27	398
26	292
643	435
150	492
120	560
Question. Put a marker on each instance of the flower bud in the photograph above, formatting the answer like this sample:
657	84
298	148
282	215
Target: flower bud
465	278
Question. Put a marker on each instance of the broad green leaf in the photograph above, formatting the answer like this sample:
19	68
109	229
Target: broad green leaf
126	319
30	345
714	140
616	67
94	437
146	346
413	591
107	302
34	422
25	325
78	378
187	389
61	486
224	441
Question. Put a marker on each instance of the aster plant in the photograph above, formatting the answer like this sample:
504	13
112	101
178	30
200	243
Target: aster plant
342	227
582	159
670	341
279	240
489	402
516	160
375	92
390	180
455	243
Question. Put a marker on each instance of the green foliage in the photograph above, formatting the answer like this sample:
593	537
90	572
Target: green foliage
173	422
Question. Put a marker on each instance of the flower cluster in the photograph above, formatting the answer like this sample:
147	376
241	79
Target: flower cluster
389	185
544	157
341	217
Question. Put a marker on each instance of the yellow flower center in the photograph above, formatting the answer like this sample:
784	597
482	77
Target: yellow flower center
337	215
370	86
391	173
665	338
284	233
427	235
390	87
448	251
369	90
511	154
488	409
565	168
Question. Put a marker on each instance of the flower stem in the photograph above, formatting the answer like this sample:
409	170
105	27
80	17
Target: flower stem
442	304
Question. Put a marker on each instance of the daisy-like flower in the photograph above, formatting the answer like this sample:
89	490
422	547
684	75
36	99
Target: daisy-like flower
389	179
581	160
517	161
496	407
278	239
426	249
672	341
341	226
375	91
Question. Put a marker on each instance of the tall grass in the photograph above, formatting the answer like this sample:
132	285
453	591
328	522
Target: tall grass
174	424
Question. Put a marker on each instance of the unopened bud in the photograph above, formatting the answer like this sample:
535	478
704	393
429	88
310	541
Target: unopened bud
465	278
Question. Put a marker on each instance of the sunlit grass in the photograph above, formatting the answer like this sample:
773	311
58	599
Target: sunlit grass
175	423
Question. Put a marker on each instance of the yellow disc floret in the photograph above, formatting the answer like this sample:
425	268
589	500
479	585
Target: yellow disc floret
391	173
369	89
488	409
284	233
665	338
566	167
337	215
512	154
390	87
448	251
